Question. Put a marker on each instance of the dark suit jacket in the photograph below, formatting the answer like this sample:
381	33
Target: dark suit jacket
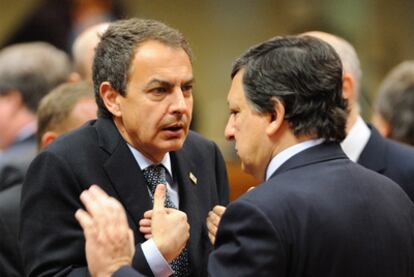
10	257
318	215
96	154
15	160
390	158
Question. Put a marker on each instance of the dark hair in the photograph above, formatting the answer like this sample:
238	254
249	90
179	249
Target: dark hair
56	107
117	49
32	69
305	75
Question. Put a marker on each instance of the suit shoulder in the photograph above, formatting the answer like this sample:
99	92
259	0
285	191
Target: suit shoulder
397	150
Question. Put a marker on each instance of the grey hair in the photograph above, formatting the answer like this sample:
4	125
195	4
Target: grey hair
395	101
32	69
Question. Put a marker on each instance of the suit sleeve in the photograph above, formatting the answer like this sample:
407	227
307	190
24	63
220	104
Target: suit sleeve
51	239
127	271
247	244
221	178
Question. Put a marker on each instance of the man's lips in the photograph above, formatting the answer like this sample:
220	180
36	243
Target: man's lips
176	127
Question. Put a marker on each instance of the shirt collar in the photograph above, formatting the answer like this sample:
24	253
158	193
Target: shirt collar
144	162
356	139
289	152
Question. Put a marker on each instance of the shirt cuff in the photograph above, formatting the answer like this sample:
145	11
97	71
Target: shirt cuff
159	266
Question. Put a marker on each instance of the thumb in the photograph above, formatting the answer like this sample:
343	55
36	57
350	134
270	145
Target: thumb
159	197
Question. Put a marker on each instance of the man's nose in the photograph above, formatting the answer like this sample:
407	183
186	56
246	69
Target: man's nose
229	130
179	104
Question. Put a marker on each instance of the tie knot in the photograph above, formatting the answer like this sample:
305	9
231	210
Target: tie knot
155	175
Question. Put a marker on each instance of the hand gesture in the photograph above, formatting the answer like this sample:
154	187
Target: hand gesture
109	242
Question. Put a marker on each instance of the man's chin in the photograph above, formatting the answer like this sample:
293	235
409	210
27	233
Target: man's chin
173	144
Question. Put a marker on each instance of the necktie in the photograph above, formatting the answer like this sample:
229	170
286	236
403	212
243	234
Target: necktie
155	175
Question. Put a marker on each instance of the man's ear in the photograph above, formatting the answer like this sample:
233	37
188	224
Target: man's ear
110	98
276	117
48	138
348	88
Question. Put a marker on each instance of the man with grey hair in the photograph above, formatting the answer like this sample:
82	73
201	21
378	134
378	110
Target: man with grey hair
27	72
394	106
143	83
363	143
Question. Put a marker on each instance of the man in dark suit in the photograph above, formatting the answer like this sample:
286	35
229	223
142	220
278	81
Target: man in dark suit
363	144
143	84
316	213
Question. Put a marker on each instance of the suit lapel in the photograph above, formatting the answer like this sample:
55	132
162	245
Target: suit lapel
124	172
188	200
373	155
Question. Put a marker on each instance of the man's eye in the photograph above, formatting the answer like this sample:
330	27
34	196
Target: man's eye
159	90
187	88
234	113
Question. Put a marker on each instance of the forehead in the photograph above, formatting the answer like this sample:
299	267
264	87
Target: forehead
154	59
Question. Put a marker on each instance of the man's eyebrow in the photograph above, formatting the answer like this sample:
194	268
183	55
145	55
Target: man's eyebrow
167	83
158	82
190	81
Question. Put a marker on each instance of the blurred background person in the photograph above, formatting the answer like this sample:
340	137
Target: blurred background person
393	113
60	22
363	143
67	107
83	50
27	72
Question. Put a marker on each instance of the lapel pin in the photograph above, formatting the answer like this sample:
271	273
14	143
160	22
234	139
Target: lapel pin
192	178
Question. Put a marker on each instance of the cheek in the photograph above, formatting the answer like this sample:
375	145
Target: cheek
189	103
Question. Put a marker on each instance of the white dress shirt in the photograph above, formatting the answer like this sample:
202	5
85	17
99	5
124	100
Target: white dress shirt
356	140
289	152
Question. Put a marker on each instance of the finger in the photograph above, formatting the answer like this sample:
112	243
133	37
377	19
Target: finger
84	219
219	210
213	218
212	238
148	214
97	191
145	222
212	228
89	202
159	197
145	230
